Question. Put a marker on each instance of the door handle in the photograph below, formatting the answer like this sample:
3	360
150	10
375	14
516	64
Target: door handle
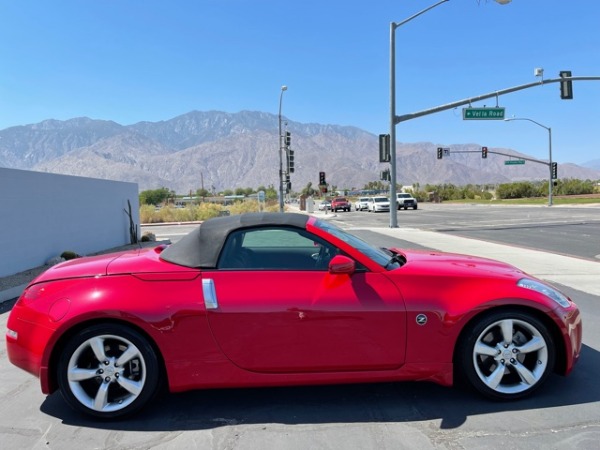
210	294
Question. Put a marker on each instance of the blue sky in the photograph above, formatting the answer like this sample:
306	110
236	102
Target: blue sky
148	60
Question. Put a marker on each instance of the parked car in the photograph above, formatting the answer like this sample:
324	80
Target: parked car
340	203
273	299
379	203
324	205
362	204
406	200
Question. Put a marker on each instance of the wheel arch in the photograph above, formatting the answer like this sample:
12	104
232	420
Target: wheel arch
554	330
58	347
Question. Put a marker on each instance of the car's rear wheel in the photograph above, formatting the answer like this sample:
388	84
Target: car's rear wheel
507	355
108	371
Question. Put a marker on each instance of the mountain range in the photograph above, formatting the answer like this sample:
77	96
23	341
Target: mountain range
217	150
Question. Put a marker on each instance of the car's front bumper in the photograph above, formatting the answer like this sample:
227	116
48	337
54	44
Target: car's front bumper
572	333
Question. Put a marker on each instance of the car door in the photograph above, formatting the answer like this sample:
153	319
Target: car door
281	315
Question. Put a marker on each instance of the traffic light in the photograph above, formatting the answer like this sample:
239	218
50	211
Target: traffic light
566	87
440	152
384	148
484	152
290	156
554	170
288	139
322	181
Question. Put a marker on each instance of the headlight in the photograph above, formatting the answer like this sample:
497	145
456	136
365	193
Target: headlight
548	291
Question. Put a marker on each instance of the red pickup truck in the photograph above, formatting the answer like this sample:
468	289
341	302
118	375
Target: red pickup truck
340	203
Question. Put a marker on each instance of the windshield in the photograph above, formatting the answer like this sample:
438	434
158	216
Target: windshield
376	254
380	199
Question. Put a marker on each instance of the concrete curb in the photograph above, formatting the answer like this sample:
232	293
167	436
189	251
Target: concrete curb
9	294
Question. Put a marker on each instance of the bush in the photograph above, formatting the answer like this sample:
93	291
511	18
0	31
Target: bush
68	254
148	237
147	213
203	211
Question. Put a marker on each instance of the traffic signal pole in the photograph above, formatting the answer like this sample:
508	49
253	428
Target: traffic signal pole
280	151
470	100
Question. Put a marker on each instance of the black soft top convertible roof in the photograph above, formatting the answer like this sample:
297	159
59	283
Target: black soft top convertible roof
202	247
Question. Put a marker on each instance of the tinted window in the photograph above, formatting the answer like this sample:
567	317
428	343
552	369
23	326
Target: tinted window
273	248
376	254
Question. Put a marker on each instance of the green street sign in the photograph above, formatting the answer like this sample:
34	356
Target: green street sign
483	113
512	162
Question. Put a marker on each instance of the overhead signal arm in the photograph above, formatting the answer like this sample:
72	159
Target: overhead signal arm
468	101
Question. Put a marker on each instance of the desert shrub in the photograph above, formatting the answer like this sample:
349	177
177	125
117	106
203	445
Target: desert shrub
205	211
243	207
569	186
147	213
521	189
68	254
148	237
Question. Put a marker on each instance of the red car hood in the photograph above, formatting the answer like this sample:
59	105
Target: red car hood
130	262
456	264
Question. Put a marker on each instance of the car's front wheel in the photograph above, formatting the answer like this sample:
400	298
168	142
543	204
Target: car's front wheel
507	355
108	371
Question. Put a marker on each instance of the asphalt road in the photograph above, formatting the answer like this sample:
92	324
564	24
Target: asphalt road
564	414
573	231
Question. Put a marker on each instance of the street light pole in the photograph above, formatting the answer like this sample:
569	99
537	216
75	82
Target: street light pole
393	118
283	88
393	26
549	152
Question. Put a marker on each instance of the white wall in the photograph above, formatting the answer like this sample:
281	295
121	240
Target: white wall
43	214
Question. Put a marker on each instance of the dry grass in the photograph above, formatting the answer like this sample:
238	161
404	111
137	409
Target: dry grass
203	211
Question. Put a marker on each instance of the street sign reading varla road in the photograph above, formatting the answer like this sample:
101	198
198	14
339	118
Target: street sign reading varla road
483	113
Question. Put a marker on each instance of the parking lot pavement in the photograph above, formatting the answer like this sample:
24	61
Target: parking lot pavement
576	273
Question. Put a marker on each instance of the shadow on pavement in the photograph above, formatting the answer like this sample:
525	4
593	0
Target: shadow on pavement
364	403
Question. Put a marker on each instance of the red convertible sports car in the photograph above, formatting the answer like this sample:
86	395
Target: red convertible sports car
271	299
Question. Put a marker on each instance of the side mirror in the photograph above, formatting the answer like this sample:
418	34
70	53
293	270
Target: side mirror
341	265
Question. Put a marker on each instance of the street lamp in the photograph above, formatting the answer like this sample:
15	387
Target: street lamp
549	152
393	26
393	118
283	88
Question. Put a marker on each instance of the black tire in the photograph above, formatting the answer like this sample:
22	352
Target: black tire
93	381
415	207
503	370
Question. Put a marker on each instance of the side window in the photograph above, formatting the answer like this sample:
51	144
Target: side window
273	248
